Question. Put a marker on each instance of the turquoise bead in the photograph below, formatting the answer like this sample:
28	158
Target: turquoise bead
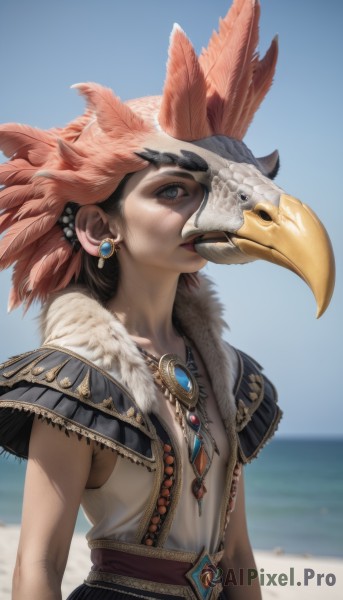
106	249
183	379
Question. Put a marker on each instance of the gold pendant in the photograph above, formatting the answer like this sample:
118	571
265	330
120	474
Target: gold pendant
179	380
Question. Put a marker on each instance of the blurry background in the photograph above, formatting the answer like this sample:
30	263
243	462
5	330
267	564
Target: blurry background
47	46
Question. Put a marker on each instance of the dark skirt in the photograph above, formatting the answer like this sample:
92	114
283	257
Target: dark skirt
108	591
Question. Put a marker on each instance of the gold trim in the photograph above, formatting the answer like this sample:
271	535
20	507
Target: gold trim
51	375
37	370
185	591
194	571
146	427
83	389
269	433
158	474
224	512
15	359
151	551
24	368
65	383
166	369
168	521
69	425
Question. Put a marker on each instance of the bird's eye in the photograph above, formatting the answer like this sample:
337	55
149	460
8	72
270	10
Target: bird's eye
243	197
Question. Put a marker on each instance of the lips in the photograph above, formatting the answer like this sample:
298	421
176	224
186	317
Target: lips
213	237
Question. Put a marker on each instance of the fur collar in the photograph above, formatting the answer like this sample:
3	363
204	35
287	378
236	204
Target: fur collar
75	320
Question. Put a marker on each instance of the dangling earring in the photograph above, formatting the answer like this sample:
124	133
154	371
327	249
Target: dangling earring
106	249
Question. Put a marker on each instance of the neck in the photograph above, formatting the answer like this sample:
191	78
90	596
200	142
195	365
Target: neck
145	306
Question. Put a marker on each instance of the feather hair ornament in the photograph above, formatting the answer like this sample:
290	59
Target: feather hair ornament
84	162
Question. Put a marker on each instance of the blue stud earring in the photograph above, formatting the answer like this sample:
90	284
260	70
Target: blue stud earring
106	249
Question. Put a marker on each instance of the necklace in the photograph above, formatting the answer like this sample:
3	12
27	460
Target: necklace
179	382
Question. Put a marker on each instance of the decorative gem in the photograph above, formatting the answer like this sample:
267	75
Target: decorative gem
179	383
204	576
179	380
106	249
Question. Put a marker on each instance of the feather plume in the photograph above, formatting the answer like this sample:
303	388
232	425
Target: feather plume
183	108
72	157
20	233
233	107
19	140
261	82
72	130
113	116
20	273
16	172
218	41
34	207
227	71
72	272
147	108
237	81
6	219
49	257
14	196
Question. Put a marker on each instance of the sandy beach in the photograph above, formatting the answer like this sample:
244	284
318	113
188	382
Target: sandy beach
280	574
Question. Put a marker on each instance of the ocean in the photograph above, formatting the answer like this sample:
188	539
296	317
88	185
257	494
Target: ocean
294	496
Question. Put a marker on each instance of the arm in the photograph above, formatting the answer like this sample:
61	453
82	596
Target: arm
57	472
238	554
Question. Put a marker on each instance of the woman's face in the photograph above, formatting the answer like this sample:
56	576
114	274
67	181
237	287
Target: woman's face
156	204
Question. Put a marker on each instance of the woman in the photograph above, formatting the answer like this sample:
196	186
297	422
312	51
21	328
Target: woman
159	413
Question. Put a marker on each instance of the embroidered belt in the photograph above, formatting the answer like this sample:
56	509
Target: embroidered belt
156	570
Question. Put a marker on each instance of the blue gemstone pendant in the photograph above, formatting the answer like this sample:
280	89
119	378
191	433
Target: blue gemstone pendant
183	378
179	380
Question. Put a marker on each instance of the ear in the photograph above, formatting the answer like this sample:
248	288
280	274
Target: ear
92	225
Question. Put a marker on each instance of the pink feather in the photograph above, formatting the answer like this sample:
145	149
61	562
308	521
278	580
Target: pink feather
14	196
17	139
183	108
113	116
209	56
24	232
16	172
227	71
261	82
49	257
20	277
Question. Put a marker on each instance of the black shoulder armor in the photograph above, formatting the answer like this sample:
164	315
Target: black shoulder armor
258	413
70	392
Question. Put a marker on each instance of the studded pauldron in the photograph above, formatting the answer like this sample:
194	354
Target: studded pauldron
67	390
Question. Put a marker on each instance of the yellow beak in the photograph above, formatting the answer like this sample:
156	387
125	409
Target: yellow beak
292	236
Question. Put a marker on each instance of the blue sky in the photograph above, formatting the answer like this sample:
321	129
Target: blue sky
47	46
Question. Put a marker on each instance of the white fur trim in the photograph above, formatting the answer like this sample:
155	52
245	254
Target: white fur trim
75	320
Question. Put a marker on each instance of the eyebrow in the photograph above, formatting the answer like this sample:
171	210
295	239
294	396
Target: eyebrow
188	160
178	174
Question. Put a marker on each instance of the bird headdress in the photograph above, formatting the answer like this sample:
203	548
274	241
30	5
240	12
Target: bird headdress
199	122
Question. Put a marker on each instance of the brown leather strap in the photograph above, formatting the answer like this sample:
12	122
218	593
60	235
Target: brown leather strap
160	570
